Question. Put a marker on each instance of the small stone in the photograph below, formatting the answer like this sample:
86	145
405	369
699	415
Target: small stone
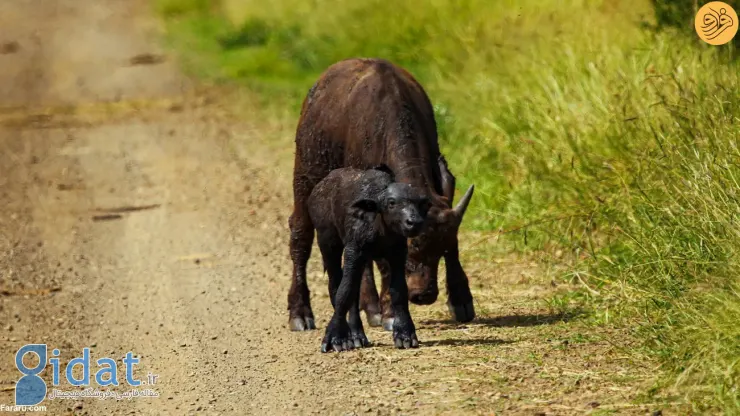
226	351
9	47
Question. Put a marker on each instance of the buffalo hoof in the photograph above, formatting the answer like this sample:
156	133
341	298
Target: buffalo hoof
462	313
405	339
302	323
388	323
374	319
337	338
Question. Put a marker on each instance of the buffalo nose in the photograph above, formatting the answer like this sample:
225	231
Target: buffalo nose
423	298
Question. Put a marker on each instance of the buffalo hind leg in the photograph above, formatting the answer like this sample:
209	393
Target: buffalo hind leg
301	240
388	315
460	300
369	299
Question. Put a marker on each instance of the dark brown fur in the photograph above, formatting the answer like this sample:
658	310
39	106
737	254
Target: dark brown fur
366	112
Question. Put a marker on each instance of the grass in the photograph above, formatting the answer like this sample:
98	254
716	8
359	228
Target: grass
598	137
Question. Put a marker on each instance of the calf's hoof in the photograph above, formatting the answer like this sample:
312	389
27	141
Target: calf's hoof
388	323
302	321
374	319
359	339
337	338
464	312
405	339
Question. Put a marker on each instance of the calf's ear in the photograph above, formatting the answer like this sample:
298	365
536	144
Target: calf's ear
363	208
384	168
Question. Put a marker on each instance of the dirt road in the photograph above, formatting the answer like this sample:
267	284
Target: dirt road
139	213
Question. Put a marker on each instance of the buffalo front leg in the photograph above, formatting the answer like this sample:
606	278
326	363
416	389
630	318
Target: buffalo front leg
301	240
459	298
369	299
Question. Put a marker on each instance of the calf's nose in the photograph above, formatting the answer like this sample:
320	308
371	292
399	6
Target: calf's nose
413	224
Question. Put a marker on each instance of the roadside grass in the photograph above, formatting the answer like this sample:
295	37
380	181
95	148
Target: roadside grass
597	144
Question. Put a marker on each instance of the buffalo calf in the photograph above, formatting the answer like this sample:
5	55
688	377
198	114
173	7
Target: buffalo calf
361	216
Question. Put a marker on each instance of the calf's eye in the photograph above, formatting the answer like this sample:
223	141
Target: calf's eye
391	203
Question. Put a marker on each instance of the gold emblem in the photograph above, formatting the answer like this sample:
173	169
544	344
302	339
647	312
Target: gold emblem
716	23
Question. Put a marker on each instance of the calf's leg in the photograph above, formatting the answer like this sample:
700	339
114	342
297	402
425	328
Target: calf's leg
339	336
356	330
330	245
404	331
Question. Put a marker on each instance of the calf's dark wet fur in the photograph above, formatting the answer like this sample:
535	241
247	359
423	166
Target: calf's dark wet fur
361	216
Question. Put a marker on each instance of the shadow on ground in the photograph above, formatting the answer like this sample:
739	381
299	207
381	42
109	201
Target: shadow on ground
461	342
465	342
507	321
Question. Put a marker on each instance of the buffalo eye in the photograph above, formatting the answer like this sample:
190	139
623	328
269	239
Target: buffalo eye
391	203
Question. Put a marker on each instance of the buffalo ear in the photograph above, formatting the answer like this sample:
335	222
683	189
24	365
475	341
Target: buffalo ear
447	179
441	215
362	208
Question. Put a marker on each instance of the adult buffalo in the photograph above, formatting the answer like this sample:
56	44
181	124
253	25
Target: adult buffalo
362	113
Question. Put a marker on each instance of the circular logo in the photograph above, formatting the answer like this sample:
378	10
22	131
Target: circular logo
716	23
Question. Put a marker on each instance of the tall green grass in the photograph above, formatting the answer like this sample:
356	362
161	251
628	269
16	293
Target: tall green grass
581	125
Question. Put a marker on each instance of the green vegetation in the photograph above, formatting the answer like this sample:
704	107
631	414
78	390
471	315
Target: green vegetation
589	127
